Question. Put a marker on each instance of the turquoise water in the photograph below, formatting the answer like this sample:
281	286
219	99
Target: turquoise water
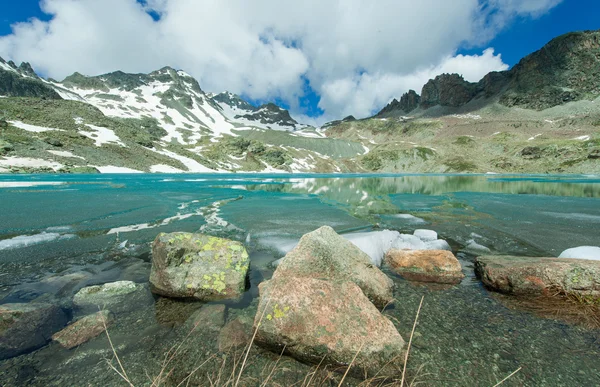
98	227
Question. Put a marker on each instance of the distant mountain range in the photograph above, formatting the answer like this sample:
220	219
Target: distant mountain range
540	116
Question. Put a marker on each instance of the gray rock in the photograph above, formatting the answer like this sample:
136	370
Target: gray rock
198	266
25	327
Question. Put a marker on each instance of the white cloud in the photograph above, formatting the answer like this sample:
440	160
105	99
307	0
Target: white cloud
356	54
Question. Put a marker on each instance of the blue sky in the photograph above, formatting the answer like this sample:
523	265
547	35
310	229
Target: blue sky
319	69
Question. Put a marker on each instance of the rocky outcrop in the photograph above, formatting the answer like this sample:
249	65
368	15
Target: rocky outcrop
23	82
84	329
270	114
439	266
408	102
25	327
447	90
118	297
198	266
332	322
324	254
532	275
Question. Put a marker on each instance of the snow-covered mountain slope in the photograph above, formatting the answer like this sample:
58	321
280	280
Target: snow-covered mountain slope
157	122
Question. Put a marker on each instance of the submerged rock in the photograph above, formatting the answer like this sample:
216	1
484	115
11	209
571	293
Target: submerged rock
532	275
318	320
425	265
324	254
84	329
198	266
208	318
236	334
118	297
25	327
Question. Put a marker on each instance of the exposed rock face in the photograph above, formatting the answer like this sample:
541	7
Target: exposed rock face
447	90
408	102
324	254
198	266
270	114
118	297
317	319
25	327
530	275
23	82
566	69
84	329
425	265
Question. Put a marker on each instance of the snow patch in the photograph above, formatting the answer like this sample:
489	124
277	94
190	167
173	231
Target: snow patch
32	128
113	169
65	154
161	168
102	135
28	162
582	252
191	164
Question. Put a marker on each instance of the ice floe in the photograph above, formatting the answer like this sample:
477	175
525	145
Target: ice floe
20	184
29	240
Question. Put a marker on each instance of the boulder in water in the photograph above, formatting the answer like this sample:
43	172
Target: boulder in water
439	266
532	275
198	266
324	254
319	320
25	327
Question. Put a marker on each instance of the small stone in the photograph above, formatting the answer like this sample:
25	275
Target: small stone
439	266
84	329
208	317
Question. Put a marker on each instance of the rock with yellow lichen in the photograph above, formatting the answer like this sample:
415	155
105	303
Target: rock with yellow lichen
199	266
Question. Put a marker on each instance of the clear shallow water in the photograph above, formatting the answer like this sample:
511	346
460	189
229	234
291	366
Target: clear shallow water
51	233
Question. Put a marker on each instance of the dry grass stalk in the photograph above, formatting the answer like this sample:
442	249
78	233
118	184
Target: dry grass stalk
122	374
508	377
351	363
410	342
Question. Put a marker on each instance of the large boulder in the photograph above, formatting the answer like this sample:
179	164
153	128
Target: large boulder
118	297
425	265
532	275
318	320
25	327
83	329
323	254
198	266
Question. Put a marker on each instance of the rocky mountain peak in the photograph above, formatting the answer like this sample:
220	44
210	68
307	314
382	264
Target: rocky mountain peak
408	102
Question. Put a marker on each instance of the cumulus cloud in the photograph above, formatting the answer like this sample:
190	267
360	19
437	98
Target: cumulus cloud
355	54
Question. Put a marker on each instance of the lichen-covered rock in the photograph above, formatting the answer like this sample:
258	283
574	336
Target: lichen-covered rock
198	266
327	321
25	327
532	275
324	254
83	329
425	265
118	297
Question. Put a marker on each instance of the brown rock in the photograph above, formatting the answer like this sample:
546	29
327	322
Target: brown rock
327	321
439	266
323	254
532	275
83	330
